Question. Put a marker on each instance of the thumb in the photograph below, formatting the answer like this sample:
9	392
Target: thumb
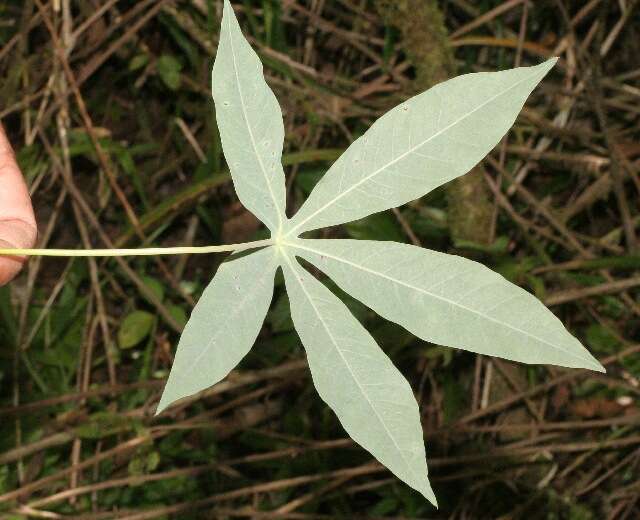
14	234
17	222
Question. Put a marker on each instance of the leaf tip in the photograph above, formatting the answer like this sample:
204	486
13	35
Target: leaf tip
423	486
162	405
167	399
227	10
430	496
547	65
593	364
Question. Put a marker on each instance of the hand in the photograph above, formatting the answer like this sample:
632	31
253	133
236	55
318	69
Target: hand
17	221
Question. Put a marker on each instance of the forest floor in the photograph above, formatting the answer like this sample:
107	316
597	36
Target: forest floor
108	106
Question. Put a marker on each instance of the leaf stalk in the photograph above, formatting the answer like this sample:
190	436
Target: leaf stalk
150	251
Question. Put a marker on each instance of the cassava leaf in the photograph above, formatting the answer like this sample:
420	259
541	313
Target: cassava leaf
373	401
448	300
419	145
250	122
224	324
416	147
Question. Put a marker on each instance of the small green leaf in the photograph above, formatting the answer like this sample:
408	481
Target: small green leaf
169	71
134	328
138	61
178	314
143	463
601	339
154	285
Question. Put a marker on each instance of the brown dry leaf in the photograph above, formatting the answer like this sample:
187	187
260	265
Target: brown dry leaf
239	228
596	407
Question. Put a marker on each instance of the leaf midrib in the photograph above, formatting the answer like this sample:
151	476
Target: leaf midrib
407	153
442	298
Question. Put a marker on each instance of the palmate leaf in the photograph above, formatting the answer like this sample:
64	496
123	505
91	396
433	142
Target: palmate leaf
416	147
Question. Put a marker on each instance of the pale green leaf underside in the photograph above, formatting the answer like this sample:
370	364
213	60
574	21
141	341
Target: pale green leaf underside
416	147
419	145
373	401
250	122
448	300
224	324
